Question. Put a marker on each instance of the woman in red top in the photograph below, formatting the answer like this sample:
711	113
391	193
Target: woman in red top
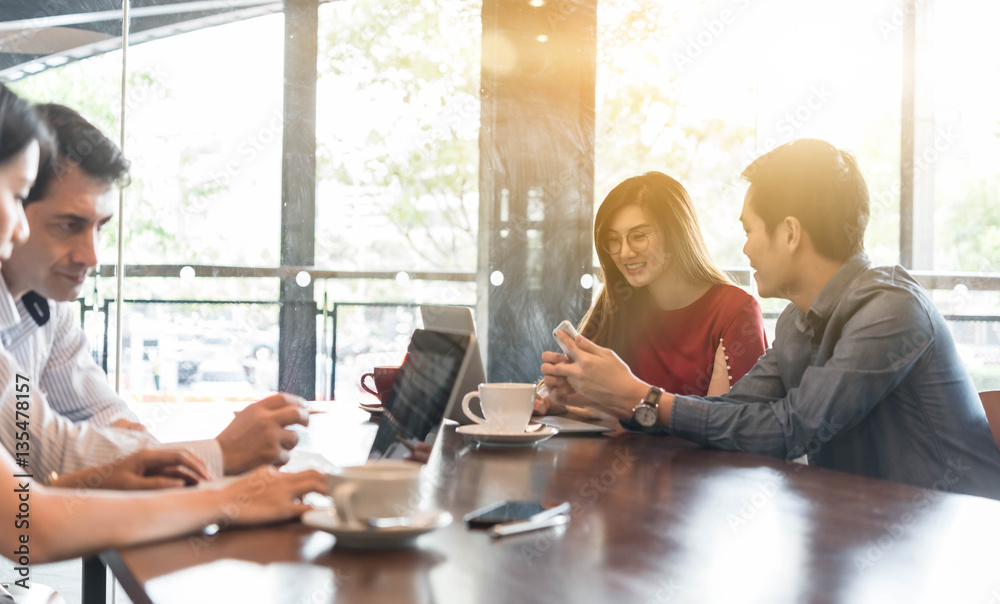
666	309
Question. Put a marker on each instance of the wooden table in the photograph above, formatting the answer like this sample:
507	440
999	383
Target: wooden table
654	520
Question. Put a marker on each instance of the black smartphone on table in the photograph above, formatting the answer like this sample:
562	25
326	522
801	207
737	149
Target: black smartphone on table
505	511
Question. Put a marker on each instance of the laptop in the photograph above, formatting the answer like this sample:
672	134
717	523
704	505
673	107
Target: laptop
459	319
426	388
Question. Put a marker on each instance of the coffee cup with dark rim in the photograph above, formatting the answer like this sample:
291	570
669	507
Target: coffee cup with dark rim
383	377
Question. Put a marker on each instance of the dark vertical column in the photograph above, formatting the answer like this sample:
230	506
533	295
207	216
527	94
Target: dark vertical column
94	581
297	317
536	176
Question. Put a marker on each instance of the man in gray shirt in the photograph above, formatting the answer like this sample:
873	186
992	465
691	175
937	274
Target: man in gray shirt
863	376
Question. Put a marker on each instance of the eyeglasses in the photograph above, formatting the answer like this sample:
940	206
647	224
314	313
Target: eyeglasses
637	241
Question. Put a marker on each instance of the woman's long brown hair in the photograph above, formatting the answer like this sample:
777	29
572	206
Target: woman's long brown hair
610	321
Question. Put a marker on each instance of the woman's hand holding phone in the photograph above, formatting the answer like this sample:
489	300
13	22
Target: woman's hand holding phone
568	328
558	388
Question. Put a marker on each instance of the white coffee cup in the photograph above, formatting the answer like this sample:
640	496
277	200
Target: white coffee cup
379	489
507	407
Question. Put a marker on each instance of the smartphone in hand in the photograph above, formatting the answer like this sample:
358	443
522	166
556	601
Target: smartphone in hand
567	327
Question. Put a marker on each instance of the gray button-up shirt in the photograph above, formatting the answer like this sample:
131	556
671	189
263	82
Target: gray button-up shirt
867	382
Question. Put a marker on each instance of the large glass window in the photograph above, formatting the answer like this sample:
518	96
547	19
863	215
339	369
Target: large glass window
963	155
956	166
693	88
699	89
396	190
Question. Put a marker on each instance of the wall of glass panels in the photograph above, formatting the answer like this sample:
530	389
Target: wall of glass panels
692	88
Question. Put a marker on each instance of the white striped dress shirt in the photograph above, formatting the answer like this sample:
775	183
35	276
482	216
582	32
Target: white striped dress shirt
71	403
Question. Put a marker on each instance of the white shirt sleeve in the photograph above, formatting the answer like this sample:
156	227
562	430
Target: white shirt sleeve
76	386
42	441
207	450
71	405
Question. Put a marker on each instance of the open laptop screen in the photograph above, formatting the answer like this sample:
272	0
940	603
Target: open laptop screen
424	386
458	319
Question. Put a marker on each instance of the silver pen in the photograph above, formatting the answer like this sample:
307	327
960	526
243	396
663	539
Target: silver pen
524	526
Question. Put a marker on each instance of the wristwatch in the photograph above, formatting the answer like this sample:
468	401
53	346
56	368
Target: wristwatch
647	412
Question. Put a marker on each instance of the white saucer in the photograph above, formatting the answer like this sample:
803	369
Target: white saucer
356	536
485	437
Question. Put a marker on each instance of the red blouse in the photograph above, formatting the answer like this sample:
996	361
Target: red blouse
675	349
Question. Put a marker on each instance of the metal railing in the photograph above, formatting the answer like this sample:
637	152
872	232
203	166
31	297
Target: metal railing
743	276
980	346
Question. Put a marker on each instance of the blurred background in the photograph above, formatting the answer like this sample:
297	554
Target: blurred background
284	222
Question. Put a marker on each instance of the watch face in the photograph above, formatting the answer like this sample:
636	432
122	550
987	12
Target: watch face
645	416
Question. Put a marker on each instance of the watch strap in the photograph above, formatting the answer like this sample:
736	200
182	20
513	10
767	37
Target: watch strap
652	397
650	401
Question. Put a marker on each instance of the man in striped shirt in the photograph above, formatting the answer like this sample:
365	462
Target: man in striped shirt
77	419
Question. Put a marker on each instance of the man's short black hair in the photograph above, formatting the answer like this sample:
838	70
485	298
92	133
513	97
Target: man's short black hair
76	142
820	185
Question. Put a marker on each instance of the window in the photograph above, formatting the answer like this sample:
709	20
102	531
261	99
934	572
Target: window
692	88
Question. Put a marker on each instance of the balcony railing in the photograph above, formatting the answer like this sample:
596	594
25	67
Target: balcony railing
204	358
